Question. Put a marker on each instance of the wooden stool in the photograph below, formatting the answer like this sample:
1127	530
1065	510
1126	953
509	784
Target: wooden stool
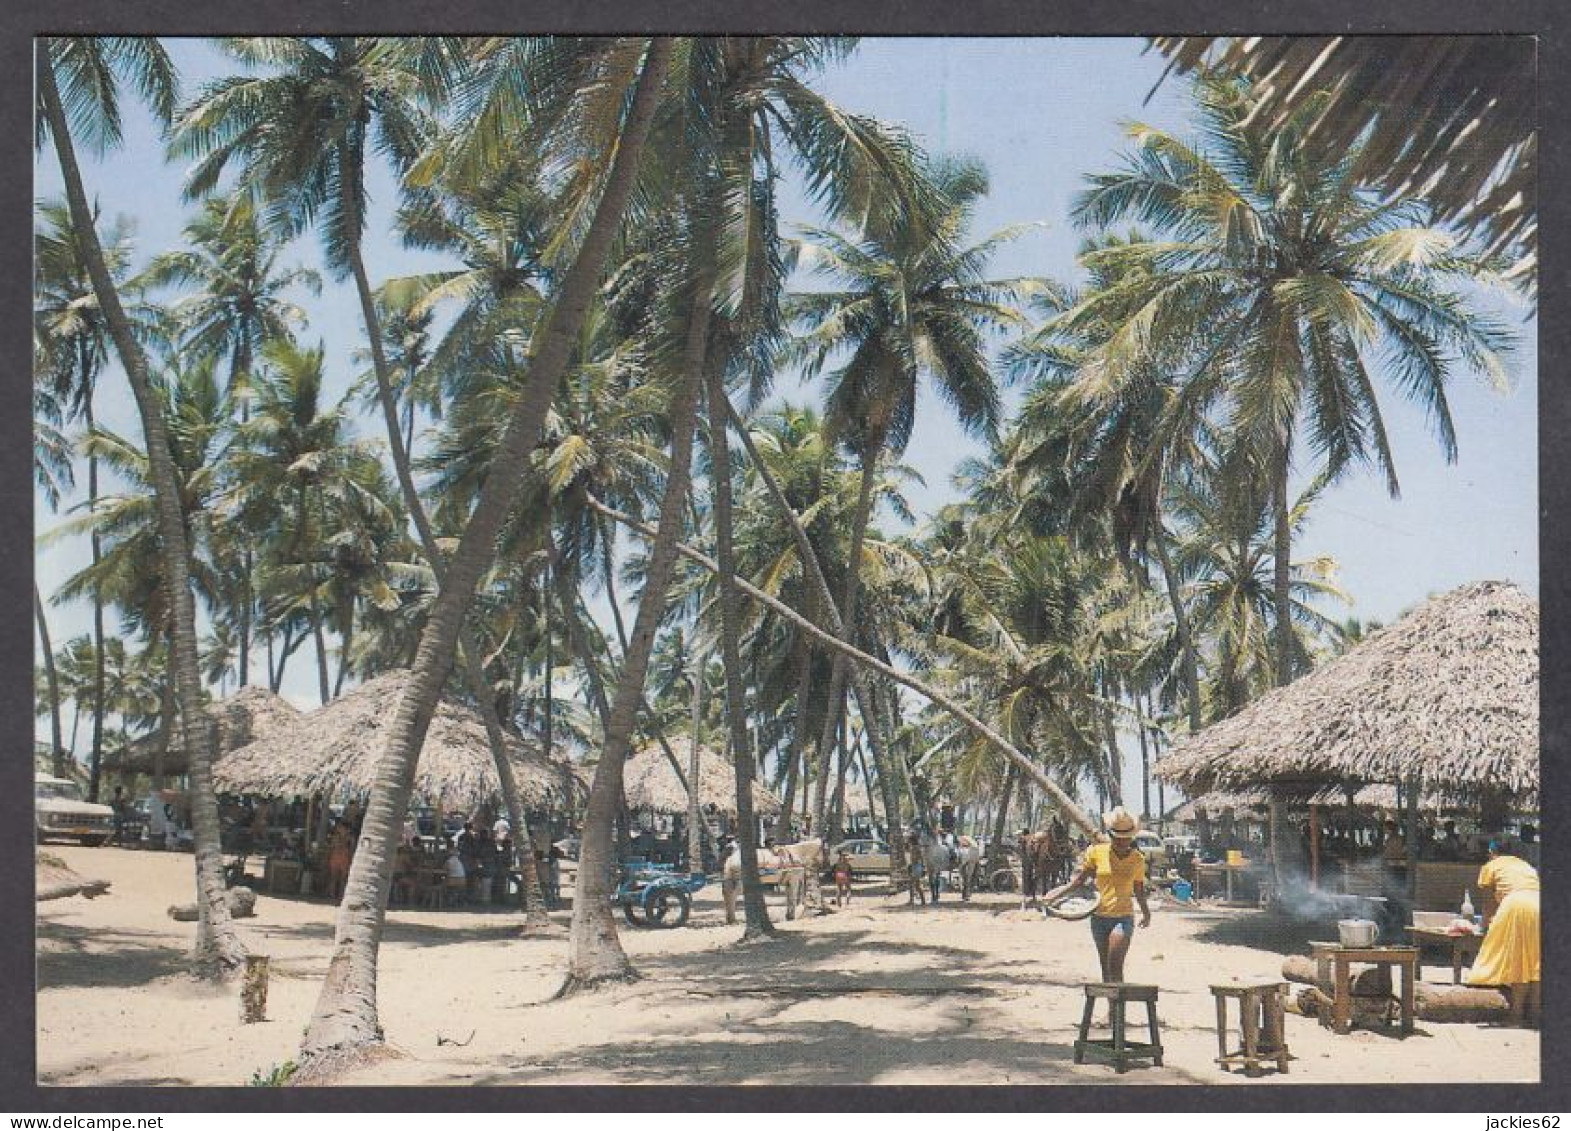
1118	1049
1260	1020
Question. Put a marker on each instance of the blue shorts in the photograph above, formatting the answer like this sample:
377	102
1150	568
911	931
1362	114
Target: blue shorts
1103	926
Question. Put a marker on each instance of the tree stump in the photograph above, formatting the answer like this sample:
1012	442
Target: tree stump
253	990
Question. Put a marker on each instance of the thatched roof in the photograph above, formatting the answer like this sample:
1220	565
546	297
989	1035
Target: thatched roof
334	750
651	785
249	715
1449	693
1214	804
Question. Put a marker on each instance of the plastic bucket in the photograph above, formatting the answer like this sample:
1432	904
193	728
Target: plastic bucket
1234	857
1182	891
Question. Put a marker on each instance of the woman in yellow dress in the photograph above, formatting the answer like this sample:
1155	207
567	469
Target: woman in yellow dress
1119	871
1511	954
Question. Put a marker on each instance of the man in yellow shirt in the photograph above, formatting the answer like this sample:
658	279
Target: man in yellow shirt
1118	869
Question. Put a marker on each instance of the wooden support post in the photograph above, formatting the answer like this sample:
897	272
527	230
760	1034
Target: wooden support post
1314	847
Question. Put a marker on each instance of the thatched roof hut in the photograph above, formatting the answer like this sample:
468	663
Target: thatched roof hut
1449	693
652	786
334	750
249	715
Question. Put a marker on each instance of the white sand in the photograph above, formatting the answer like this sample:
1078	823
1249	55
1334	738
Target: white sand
876	993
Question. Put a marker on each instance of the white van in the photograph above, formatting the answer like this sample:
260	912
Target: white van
60	810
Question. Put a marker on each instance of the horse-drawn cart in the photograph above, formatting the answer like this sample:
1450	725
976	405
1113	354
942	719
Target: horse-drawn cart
656	895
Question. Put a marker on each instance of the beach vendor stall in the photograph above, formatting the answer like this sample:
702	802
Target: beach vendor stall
329	757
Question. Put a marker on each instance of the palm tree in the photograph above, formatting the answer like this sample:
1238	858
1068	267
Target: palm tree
1299	281
1473	149
913	303
239	305
129	572
52	475
344	1026
70	326
77	82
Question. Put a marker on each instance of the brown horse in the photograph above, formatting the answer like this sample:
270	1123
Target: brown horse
1045	861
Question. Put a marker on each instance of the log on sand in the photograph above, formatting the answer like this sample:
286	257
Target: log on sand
1459	1004
54	880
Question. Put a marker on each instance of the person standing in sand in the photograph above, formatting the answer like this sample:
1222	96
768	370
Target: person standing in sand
1118	869
1511	954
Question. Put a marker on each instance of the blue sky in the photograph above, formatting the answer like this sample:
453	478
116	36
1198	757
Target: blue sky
1040	114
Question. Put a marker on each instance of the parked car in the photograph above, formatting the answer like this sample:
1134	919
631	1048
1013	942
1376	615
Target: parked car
1155	853
60	810
867	856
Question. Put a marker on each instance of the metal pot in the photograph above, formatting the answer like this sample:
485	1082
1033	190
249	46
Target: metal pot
1357	932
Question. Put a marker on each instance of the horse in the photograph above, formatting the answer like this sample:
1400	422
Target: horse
794	867
937	861
1046	859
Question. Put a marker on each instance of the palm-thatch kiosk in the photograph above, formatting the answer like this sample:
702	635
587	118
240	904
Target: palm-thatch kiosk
330	755
653	789
250	715
1444	701
652	786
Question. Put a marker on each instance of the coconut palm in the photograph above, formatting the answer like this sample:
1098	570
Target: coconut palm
73	334
1301	282
344	1026
77	83
912	303
1473	149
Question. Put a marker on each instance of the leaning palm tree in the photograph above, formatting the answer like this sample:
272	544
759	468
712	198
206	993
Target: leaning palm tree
344	1027
1290	285
78	82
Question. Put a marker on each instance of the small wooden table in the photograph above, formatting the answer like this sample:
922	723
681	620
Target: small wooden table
1464	948
1331	956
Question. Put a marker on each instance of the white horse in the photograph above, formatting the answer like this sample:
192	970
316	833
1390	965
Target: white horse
937	861
795	868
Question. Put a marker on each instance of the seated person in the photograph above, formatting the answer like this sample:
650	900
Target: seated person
457	875
1394	849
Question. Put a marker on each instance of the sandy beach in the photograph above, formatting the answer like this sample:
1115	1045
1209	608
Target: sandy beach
873	993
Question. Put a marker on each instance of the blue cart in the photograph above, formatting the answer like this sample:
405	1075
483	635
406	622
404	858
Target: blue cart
656	895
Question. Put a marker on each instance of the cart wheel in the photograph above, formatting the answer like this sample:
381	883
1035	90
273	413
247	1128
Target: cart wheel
1002	880
668	907
635	913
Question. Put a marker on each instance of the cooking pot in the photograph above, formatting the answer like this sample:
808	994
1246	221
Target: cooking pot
1357	932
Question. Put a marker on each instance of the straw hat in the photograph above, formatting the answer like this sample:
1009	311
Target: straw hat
1121	822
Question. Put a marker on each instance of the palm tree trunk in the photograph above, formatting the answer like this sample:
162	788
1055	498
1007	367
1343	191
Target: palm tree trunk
867	780
835	822
171	723
695	738
755	915
798	747
323	682
346	642
239	374
345	1026
834	720
52	679
1182	626
1145	766
1115	757
100	705
524	859
1282	598
218	948
941	699
595	953
1281	588
1001	818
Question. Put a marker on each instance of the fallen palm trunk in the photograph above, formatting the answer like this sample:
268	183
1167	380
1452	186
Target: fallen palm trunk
54	880
856	655
1371	994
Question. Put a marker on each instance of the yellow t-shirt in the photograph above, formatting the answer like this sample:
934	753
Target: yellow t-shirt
1506	874
1115	879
